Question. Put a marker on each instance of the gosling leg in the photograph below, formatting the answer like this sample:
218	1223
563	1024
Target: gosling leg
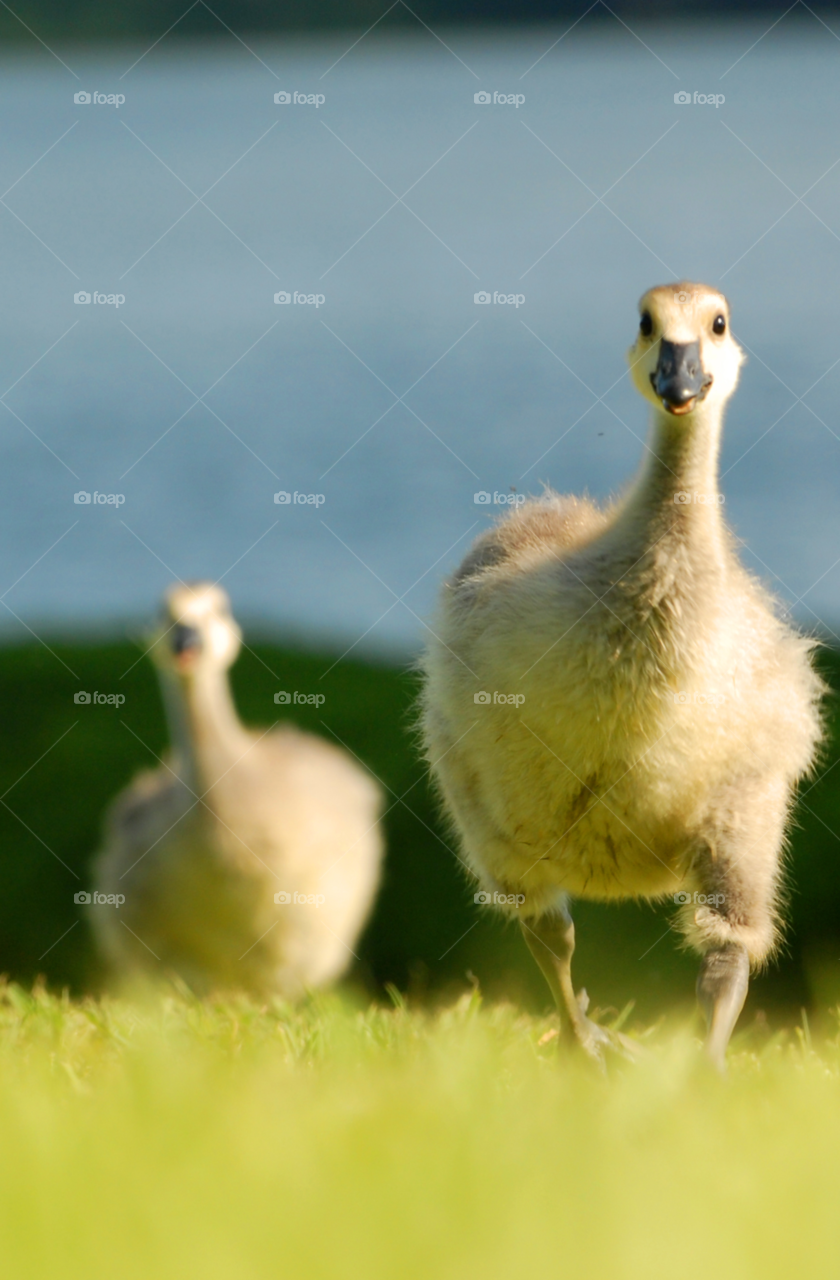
551	941
721	990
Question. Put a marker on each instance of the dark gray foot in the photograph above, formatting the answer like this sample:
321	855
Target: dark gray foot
721	990
595	1039
551	941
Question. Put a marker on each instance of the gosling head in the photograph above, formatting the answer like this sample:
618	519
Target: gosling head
684	355
197	631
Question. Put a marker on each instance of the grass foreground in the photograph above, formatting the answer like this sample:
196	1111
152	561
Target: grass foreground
169	1137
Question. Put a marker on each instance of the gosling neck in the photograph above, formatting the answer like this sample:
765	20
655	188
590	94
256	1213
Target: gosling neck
675	499
206	733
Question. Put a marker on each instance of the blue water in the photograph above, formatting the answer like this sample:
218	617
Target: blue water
305	398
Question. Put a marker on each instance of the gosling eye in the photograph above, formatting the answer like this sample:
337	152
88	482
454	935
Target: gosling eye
719	325
646	324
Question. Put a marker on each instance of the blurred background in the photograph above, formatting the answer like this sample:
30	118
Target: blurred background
282	216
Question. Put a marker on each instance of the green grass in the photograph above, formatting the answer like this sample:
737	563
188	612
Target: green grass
445	1139
181	1139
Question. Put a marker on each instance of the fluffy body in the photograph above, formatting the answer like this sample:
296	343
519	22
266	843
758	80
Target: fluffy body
668	710
200	846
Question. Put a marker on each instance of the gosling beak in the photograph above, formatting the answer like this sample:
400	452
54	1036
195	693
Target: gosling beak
679	379
185	642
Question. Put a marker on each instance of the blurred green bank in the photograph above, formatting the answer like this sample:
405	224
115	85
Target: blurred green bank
61	762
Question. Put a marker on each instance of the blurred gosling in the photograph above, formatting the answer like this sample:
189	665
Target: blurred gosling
250	859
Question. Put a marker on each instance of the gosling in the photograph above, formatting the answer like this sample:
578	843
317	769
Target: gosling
665	711
250	860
